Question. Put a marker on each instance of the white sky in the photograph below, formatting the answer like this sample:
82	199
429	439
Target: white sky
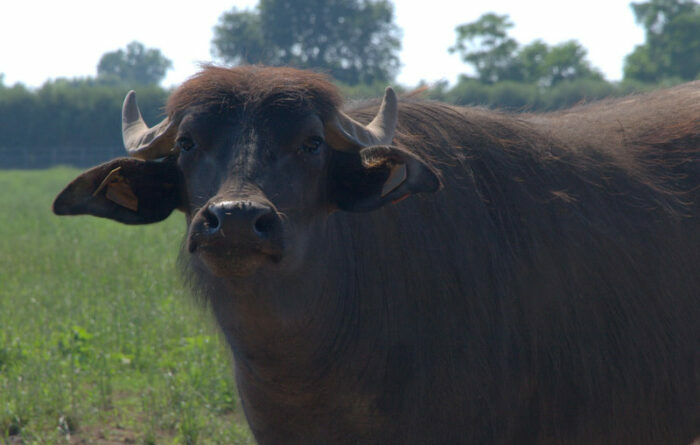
41	40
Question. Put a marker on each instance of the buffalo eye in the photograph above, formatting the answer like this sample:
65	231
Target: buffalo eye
312	145
185	143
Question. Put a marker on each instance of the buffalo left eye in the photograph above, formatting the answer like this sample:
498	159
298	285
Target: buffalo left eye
185	143
312	145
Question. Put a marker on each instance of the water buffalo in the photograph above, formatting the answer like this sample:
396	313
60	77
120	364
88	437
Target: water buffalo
411	272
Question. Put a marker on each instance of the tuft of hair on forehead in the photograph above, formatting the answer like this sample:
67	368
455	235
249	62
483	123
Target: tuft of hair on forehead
255	88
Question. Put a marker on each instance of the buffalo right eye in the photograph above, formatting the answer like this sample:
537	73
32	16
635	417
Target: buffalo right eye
185	143
312	145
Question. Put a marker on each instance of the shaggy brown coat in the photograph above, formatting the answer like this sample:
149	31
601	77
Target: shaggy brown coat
548	293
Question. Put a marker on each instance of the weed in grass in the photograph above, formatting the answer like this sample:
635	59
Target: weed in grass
10	424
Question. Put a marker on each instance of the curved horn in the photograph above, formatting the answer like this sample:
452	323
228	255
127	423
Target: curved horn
346	134
139	140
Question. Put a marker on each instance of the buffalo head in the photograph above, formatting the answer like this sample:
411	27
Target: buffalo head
255	158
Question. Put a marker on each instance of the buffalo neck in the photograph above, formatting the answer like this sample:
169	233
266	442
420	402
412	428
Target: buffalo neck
291	325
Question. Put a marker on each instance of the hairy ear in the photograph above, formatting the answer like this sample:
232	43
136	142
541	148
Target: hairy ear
127	190
378	175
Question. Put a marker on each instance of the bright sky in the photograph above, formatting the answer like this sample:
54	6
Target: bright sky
42	40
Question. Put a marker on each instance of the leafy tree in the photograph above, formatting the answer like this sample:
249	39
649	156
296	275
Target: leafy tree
497	57
654	15
640	65
355	41
238	38
567	61
137	65
672	46
531	61
683	36
486	45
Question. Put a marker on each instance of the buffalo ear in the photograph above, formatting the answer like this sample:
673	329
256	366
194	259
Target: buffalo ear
378	175
127	190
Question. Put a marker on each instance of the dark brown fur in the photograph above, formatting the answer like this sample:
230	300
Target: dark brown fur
252	88
570	242
561	259
548	293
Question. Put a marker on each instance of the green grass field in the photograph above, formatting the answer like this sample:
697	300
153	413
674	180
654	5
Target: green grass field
99	342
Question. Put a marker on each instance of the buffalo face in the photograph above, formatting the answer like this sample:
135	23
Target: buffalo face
253	192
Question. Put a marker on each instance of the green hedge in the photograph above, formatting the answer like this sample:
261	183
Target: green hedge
70	115
514	96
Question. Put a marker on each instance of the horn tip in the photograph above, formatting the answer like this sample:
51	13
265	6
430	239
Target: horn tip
130	110
390	97
130	97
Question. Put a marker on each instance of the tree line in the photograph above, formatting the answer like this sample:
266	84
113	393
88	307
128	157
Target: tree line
357	43
537	76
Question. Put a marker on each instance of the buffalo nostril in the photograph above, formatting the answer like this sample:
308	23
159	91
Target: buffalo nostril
211	219
265	224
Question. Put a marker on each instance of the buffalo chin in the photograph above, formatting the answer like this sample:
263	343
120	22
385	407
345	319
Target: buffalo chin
239	262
